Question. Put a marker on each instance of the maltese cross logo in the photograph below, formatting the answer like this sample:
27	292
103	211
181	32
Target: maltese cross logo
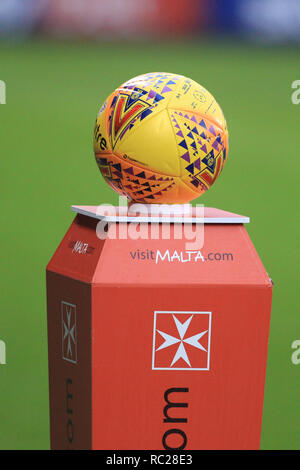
181	340
69	334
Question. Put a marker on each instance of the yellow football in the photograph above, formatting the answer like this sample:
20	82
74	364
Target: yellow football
160	138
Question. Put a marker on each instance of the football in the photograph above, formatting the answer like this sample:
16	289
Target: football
160	138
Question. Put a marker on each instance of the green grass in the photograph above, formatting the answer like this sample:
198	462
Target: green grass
53	94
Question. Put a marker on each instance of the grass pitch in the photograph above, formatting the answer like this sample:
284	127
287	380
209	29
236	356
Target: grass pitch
54	91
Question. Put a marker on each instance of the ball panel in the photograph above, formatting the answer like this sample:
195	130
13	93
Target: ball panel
202	143
132	180
159	85
129	110
153	145
180	193
192	96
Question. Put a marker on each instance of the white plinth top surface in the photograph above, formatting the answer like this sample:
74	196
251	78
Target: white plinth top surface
161	213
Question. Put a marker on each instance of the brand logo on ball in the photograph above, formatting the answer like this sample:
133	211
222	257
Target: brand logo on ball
69	333
181	340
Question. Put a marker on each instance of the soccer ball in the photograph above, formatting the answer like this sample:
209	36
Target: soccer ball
160	138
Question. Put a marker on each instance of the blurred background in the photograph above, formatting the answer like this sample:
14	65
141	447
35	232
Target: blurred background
59	59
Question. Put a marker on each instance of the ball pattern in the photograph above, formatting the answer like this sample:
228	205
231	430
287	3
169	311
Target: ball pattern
160	138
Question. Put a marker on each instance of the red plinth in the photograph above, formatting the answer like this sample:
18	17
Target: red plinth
153	346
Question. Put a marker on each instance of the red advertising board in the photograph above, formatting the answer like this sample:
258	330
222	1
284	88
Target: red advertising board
125	18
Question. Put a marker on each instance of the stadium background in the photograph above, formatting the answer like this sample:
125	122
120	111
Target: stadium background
59	60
